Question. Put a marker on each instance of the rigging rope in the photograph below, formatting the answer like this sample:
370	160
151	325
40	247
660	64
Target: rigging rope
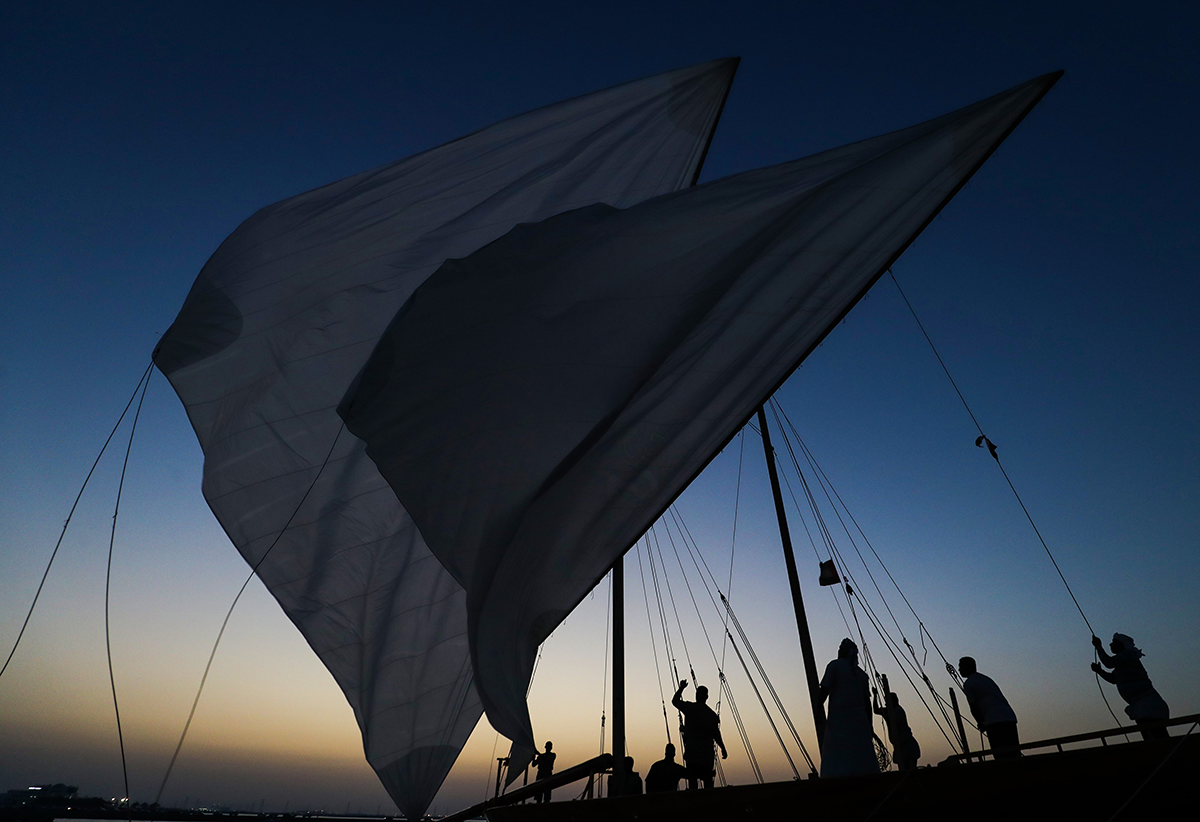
145	376
737	497
671	594
767	681
917	665
229	613
727	613
980	441
992	450
823	478
112	538
832	547
662	698
604	679
724	685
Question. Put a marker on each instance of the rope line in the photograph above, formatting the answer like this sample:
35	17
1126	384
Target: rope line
607	647
229	613
698	560
980	441
662	697
923	631
724	684
737	497
112	538
992	449
770	686
840	561
671	594
70	514
824	478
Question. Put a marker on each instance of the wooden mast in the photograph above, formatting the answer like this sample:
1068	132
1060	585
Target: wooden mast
806	648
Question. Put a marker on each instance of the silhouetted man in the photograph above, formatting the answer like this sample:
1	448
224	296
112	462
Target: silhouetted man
664	775
701	729
545	768
629	784
1143	703
991	710
905	750
848	746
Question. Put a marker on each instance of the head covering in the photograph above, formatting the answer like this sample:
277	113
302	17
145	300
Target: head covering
1127	642
847	649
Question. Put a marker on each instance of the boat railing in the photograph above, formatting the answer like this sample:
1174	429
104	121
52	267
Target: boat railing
595	765
1059	741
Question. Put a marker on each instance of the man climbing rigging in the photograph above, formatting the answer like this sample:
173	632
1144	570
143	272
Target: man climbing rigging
1143	704
991	710
702	729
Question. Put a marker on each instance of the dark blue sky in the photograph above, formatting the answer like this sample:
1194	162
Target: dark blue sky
1061	285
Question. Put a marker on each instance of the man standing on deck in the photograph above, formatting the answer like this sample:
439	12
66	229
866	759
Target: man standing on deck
905	750
665	774
545	769
701	729
991	710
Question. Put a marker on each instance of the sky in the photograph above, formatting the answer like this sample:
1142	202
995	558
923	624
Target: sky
1059	286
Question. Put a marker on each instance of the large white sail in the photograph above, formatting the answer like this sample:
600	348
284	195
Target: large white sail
282	317
538	404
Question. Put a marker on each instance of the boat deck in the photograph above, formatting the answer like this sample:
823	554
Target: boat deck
1135	780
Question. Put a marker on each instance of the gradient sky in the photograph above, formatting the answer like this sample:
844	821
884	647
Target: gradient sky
1061	288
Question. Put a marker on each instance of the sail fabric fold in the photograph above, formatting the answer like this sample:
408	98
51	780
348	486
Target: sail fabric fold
537	404
283	316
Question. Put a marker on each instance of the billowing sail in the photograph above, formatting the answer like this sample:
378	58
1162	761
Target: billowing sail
284	315
539	403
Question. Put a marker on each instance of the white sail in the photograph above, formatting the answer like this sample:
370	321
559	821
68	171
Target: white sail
282	317
538	404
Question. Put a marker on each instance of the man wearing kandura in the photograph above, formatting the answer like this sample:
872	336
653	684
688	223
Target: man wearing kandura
991	710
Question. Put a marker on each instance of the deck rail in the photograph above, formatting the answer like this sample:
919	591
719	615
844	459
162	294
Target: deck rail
595	765
1059	741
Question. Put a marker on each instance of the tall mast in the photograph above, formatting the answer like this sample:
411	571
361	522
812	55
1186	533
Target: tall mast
618	670
806	648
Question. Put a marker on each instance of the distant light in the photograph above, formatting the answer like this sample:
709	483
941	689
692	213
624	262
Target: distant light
34	788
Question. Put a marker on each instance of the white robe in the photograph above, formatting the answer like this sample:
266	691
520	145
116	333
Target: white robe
847	747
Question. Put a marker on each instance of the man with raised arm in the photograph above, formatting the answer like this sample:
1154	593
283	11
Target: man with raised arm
701	730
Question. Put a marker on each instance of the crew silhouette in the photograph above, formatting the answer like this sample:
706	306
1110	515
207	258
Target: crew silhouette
701	730
905	750
544	762
848	746
664	775
1143	704
991	710
628	783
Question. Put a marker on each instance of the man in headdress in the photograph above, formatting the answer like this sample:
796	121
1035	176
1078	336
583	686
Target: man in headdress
1143	704
849	743
701	730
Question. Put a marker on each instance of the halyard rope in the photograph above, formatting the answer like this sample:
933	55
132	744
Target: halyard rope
232	605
